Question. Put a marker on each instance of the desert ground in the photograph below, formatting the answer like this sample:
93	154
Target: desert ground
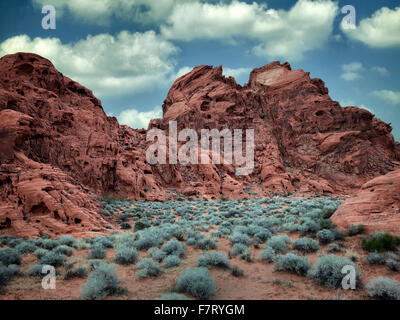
265	249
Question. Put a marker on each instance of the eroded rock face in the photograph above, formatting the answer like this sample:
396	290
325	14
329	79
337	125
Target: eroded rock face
376	205
55	137
304	141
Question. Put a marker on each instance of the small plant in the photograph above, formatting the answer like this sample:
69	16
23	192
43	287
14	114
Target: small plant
376	258
157	254
392	264
292	263
383	288
279	244
53	258
325	236
237	272
65	250
25	247
140	225
206	243
78	272
148	268
327	271
305	245
97	252
102	282
126	256
171	261
267	255
9	256
173	247
125	226
68	241
196	282
173	296
39	253
213	259
380	242
355	229
242	238
36	270
7	273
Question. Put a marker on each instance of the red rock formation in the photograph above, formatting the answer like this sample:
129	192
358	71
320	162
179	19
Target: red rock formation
304	143
376	206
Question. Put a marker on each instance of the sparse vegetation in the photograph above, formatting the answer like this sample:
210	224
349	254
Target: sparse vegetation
196	282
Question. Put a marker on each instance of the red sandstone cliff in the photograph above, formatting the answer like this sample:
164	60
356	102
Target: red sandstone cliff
58	149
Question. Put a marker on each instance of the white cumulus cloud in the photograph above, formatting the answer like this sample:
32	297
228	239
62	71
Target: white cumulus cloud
380	70
381	30
138	119
108	65
101	12
393	97
278	33
351	71
236	73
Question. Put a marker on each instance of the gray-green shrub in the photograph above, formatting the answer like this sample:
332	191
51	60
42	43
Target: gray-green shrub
196	282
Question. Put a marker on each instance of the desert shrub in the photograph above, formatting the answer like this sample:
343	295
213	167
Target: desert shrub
7	273
53	258
213	259
196	282
78	272
68	241
392	264
25	247
173	296
173	247
383	288
97	252
305	245
355	229
49	244
148	268
103	241
246	255
9	256
237	272
338	235
147	239
267	255
126	256
65	250
140	225
327	271
334	247
380	242
242	238
292	263
237	249
125	226
105	212
36	270
206	243
325	236
157	254
171	261
39	253
376	258
102	282
279	244
124	240
309	226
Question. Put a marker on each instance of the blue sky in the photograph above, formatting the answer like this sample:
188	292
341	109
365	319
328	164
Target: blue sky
129	52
